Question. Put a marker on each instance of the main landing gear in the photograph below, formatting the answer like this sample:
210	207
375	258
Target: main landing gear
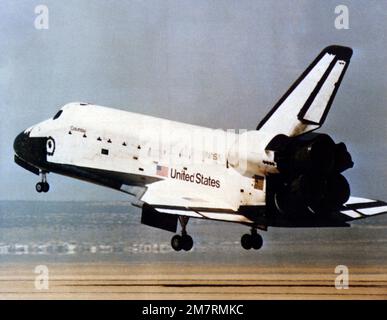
43	185
252	240
183	241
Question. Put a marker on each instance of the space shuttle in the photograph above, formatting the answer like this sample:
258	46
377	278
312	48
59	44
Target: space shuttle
281	174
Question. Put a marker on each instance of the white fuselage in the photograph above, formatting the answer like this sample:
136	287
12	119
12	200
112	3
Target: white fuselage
225	166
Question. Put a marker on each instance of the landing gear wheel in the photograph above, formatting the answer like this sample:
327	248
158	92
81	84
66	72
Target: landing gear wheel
39	187
257	241
177	242
183	241
246	241
43	185
253	240
46	186
187	242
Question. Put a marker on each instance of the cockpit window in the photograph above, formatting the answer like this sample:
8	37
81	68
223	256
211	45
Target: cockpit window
57	114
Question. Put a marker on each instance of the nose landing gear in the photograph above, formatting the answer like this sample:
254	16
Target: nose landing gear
43	185
183	241
253	240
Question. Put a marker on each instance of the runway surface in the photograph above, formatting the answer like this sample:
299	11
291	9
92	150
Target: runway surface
101	251
169	281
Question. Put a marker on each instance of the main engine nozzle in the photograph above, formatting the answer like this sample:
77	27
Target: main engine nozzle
317	194
310	169
309	153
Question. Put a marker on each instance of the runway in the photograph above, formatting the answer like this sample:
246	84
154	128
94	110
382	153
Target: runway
97	250
182	282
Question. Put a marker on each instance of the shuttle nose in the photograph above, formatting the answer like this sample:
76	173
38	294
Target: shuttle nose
30	149
21	145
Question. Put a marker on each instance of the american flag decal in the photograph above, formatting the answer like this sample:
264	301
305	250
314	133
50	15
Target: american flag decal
162	171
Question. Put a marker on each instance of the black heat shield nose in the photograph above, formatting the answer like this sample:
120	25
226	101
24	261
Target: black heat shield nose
31	150
20	144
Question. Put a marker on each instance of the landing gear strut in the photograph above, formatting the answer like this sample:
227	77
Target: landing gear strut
183	241
43	185
253	240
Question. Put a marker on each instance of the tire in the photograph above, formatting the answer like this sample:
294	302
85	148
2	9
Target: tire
176	242
39	187
246	241
187	243
46	187
257	241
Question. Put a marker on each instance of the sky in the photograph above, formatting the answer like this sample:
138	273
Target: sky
221	64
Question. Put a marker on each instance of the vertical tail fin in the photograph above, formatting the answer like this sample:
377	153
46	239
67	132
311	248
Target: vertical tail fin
306	104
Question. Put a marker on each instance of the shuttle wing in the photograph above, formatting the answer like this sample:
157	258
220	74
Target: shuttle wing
360	208
306	104
205	208
170	198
